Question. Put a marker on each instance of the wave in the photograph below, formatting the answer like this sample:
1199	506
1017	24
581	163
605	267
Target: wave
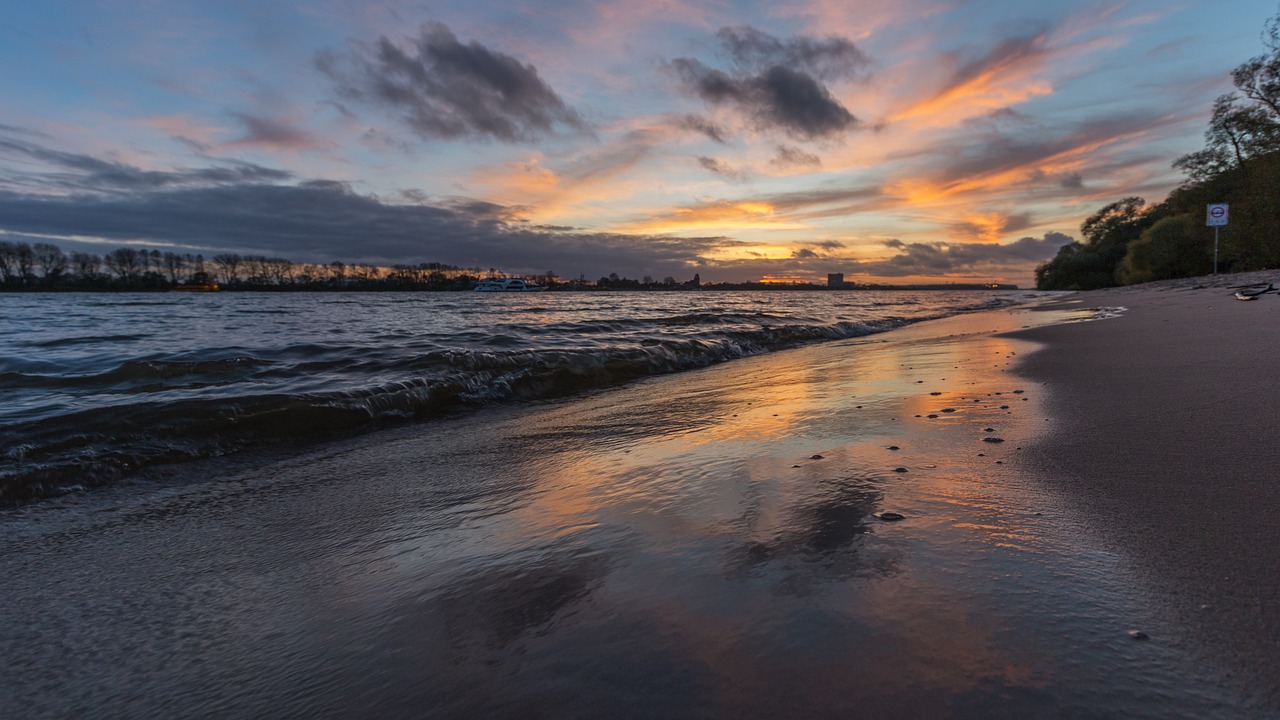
148	411
100	445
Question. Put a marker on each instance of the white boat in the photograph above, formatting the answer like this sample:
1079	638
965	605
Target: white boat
507	285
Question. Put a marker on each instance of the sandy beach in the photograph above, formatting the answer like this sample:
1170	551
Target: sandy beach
1166	431
962	518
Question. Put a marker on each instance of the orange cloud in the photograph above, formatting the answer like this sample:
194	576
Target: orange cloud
718	216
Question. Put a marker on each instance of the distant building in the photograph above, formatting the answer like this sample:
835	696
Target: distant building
835	280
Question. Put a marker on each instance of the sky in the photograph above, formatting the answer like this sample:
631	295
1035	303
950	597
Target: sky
894	141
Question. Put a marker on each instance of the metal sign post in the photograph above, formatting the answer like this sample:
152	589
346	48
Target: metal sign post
1216	218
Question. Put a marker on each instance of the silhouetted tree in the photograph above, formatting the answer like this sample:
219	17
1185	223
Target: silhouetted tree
87	266
228	267
126	263
52	262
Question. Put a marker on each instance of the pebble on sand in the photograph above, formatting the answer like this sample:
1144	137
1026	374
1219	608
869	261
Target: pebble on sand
815	457
894	447
899	469
948	410
891	516
988	429
993	439
1138	635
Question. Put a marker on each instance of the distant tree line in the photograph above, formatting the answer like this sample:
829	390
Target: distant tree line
1129	241
44	266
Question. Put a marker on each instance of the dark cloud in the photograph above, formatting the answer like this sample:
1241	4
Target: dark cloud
828	58
722	169
776	83
942	258
995	150
77	172
793	157
443	89
697	123
14	129
273	133
321	221
249	209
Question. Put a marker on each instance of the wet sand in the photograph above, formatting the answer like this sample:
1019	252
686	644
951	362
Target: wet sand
1167	433
710	544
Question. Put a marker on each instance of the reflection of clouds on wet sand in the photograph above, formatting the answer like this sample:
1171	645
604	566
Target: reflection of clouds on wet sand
493	609
818	541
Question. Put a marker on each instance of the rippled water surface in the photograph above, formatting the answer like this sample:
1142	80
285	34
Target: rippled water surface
98	385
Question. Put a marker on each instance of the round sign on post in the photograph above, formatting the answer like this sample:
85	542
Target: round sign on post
1217	215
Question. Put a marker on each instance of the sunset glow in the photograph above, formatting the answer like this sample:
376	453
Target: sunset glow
741	141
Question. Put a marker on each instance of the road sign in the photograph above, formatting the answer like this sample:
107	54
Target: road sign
1217	215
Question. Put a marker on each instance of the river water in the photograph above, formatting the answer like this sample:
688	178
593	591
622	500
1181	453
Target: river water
97	386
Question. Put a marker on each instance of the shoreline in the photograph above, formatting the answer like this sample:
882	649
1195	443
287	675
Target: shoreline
716	543
1167	435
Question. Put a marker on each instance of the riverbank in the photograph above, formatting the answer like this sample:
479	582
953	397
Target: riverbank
860	527
1167	433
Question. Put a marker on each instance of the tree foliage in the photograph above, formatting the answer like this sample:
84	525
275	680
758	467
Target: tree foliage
1126	242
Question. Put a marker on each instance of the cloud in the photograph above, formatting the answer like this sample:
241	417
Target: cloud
697	123
273	134
793	157
722	169
941	258
909	260
776	83
74	172
754	51
239	207
443	89
320	221
1002	76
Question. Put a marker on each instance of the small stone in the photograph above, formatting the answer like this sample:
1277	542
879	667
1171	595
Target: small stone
932	415
1138	635
815	457
988	429
1004	407
899	469
891	516
795	466
894	447
999	462
948	410
1018	392
982	454
993	439
935	393
857	407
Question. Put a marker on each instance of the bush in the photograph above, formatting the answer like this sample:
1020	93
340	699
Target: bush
1174	247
